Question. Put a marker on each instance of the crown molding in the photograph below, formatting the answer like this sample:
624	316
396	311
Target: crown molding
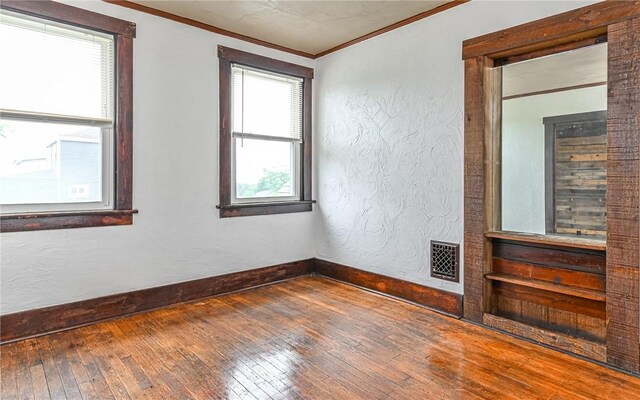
224	32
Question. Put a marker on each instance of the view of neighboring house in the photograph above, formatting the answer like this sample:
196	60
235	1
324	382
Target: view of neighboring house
68	169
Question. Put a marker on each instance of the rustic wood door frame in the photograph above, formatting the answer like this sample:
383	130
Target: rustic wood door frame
619	23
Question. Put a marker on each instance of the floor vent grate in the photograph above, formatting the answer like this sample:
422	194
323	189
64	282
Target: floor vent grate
445	261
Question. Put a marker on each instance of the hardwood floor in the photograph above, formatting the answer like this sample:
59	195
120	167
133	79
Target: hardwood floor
307	338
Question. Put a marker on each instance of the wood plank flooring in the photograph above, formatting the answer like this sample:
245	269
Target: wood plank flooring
307	338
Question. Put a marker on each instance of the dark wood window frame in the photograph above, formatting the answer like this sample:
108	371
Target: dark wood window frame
228	56
124	32
619	22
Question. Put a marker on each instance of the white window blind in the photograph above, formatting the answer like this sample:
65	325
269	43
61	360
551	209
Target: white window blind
57	85
48	68
266	105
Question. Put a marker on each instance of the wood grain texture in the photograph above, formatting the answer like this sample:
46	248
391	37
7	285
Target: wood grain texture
224	147
572	26
433	298
550	299
594	351
533	238
246	210
124	123
555	288
262	62
575	45
65	316
474	187
65	220
567	277
576	174
623	210
306	338
592	261
307	152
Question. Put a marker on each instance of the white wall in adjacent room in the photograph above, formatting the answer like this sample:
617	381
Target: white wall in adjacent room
523	146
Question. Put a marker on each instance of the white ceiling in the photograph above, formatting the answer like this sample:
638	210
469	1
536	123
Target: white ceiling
304	25
579	67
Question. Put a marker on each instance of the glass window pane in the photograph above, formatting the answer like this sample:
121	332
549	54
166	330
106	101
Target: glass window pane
554	144
52	69
49	163
264	169
266	104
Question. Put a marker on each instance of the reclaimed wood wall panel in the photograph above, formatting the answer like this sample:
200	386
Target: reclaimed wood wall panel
576	174
562	276
623	129
594	351
586	260
558	289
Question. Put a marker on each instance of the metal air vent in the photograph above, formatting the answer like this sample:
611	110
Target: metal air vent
445	261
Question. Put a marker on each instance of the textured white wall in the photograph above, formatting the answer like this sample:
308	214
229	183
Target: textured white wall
523	192
389	139
177	236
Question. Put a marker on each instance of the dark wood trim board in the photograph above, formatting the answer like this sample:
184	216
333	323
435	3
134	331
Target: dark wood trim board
572	26
224	32
206	27
29	323
623	195
435	299
393	26
68	14
25	324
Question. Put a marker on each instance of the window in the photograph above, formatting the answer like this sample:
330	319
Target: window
554	144
65	117
265	135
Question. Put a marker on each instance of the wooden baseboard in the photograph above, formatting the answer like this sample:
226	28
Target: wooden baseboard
39	321
25	324
571	344
436	299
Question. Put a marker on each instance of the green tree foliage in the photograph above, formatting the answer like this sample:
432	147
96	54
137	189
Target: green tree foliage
268	185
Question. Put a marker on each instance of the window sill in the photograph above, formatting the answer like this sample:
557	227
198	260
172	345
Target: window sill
248	209
65	220
571	242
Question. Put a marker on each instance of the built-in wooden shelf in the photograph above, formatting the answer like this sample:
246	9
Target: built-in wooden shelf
587	348
532	238
548	286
